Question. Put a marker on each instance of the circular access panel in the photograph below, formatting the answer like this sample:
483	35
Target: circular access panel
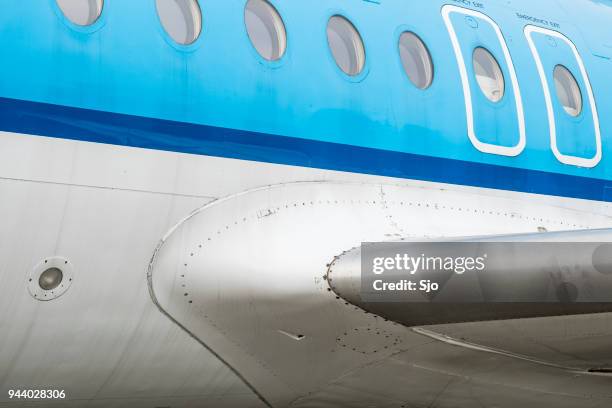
50	278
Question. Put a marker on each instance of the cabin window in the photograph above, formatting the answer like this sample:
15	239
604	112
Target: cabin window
416	60
488	74
181	19
81	12
568	91
346	45
266	29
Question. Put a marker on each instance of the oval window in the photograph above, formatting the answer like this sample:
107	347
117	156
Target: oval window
266	29
488	74
346	45
416	60
568	90
181	19
81	12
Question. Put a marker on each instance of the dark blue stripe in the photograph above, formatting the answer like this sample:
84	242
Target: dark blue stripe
126	130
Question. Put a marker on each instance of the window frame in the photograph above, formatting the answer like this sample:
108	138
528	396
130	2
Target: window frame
511	151
364	69
168	37
429	58
83	29
285	50
529	30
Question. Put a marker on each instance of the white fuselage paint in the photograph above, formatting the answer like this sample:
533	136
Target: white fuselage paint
106	208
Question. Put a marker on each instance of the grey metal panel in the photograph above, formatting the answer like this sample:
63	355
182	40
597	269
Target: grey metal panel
106	208
103	340
245	276
506	274
442	376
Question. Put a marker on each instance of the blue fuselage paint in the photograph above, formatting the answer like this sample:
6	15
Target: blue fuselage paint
122	81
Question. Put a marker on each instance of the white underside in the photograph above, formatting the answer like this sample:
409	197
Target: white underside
106	208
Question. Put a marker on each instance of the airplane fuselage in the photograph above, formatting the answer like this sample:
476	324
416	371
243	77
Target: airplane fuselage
198	193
